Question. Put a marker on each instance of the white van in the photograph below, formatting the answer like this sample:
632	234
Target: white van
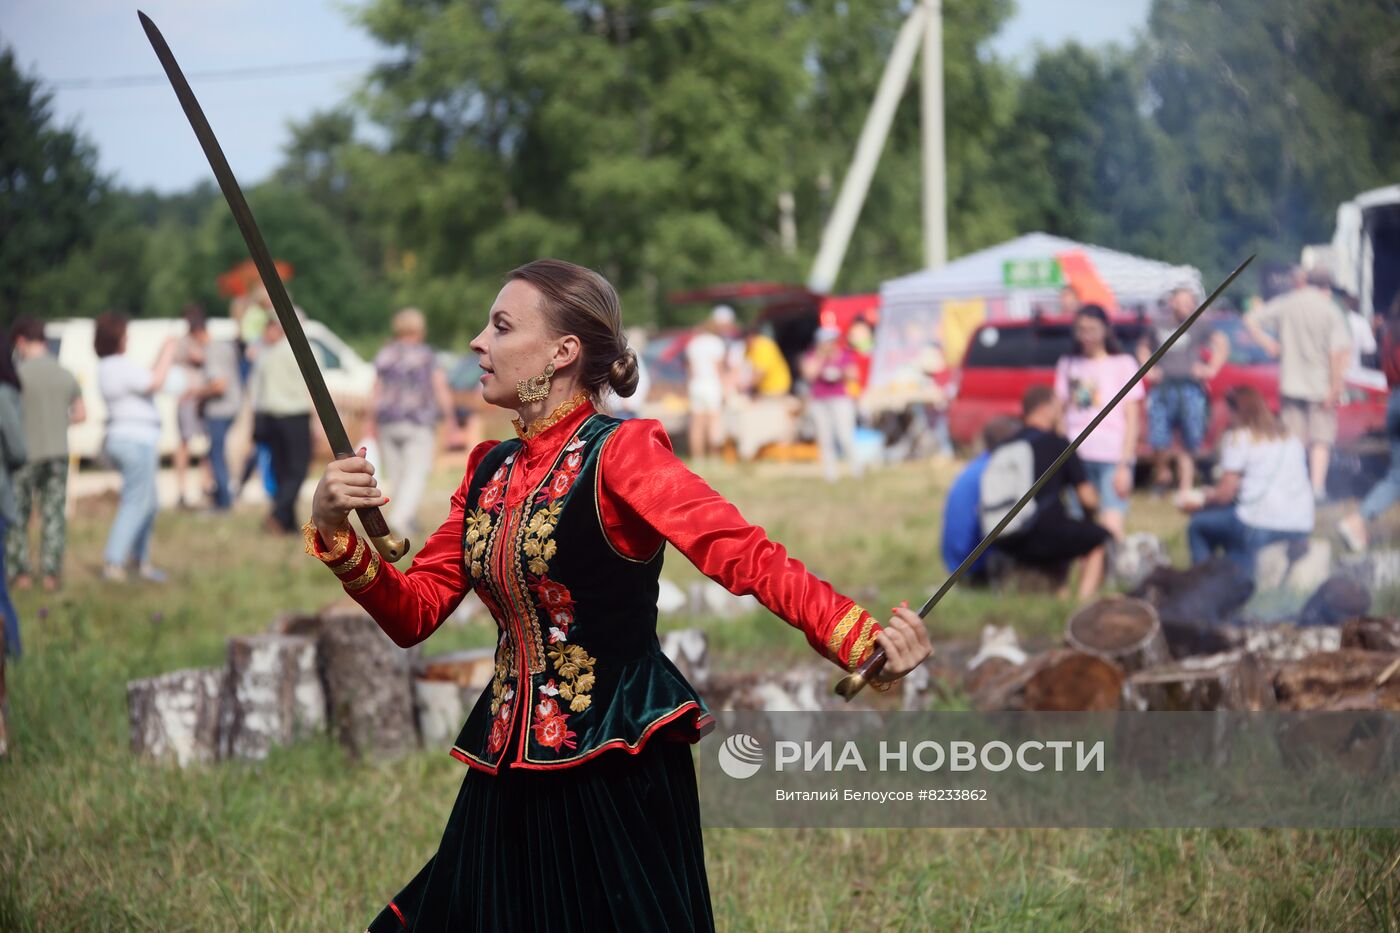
348	377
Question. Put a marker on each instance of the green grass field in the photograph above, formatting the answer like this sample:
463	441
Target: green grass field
92	839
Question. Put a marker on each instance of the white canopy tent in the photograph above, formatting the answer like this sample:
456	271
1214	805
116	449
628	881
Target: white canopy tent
1133	279
940	307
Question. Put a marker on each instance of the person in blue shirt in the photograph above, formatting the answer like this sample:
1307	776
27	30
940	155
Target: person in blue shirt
962	527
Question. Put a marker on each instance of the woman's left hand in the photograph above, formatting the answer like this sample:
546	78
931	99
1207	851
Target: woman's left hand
1123	480
906	643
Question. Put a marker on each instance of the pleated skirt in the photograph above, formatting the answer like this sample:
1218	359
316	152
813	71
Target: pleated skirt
611	844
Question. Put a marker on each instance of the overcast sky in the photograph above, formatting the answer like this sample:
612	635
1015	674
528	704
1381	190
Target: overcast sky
104	77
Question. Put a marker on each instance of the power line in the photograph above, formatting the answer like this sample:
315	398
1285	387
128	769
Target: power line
227	74
660	14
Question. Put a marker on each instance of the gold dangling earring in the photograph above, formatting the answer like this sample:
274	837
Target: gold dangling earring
536	388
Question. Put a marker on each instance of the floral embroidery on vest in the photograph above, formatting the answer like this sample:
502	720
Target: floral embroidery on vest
508	552
539	545
575	667
552	728
571	663
502	693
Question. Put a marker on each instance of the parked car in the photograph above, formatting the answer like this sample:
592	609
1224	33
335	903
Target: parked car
1007	357
348	377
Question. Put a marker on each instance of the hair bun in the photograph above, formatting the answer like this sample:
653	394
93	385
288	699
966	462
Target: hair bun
622	375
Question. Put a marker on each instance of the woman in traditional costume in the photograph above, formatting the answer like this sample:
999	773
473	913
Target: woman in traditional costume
579	808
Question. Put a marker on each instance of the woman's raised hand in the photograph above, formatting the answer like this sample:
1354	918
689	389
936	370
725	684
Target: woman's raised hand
906	643
347	484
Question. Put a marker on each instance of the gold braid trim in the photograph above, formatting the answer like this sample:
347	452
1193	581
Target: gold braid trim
841	630
339	546
863	641
353	561
366	578
540	425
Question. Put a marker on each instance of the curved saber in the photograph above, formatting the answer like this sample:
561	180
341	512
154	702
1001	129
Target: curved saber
376	528
851	684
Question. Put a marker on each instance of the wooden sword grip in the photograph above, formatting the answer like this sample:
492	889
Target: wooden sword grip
377	530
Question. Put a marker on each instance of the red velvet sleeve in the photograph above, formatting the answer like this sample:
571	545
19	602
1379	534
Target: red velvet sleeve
410	605
648	494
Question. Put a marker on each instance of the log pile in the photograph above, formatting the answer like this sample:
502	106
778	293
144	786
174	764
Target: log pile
1117	653
1347	679
331	671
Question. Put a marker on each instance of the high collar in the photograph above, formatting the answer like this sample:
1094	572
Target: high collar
555	428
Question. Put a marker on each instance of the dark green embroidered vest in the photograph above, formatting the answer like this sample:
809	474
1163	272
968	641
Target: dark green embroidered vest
579	669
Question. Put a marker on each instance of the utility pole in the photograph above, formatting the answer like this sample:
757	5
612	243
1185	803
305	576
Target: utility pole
935	177
837	235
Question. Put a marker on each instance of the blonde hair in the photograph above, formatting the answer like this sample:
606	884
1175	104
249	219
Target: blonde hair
409	322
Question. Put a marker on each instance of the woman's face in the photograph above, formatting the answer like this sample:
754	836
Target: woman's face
1090	332
515	344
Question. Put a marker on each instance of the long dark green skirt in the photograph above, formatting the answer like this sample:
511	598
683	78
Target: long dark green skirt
611	844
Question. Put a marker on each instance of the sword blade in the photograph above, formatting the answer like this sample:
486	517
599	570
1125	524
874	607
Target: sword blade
1068	452
371	518
851	684
257	248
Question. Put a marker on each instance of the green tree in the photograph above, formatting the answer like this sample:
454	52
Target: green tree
654	141
49	191
1086	160
329	282
1274	112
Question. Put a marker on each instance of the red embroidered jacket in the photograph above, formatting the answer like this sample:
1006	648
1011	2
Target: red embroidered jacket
647	497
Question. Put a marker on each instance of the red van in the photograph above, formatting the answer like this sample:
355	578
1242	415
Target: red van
1005	358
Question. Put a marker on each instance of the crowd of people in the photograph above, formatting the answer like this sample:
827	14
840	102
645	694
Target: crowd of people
741	387
217	385
1271	468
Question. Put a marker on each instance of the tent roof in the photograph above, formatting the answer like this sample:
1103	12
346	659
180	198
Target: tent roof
1132	278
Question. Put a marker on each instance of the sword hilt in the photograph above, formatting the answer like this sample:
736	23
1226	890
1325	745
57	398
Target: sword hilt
854	682
377	530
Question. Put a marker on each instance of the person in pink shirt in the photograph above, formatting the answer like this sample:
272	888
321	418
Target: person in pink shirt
1086	380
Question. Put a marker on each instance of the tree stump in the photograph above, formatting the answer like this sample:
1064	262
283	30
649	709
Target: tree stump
1231	681
1121	630
273	694
471	669
441	707
369	689
176	715
444	687
1062	680
1347	679
1372	634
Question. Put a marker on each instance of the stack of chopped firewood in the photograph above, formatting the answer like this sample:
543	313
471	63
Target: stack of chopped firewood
1118	654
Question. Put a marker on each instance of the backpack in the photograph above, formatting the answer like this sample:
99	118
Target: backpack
1009	473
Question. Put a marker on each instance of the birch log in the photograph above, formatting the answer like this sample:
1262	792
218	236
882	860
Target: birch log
176	715
273	695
